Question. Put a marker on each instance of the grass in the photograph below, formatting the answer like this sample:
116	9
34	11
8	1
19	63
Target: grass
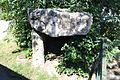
8	59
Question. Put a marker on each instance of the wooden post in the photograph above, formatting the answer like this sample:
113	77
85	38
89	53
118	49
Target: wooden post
104	62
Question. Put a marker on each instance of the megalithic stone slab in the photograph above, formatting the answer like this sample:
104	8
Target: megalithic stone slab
55	23
60	22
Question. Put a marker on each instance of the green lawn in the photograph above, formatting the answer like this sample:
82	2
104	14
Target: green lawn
8	59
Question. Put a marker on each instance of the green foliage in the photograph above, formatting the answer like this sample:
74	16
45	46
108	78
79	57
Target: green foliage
77	53
106	23
112	49
26	52
106	20
17	10
78	56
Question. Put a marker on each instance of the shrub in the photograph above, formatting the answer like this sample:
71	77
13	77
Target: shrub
79	54
106	23
17	10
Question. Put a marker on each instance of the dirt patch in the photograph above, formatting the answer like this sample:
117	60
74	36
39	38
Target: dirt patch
50	69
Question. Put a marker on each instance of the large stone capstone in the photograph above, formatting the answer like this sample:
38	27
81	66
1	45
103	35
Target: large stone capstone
60	22
55	23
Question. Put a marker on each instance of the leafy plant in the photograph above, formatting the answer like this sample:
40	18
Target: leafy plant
17	10
112	49
78	56
106	23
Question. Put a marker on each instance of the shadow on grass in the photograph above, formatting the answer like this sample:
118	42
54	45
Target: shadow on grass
7	74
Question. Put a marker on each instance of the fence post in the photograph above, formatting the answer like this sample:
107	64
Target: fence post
103	61
101	73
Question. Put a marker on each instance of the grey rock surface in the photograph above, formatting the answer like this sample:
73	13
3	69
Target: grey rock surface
38	50
55	22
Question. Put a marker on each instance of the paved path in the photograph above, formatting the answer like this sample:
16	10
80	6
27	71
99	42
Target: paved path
3	28
7	74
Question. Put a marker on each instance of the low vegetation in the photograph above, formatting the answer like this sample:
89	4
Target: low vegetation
8	54
106	23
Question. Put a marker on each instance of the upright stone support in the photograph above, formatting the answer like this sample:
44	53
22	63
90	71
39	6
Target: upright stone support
38	50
